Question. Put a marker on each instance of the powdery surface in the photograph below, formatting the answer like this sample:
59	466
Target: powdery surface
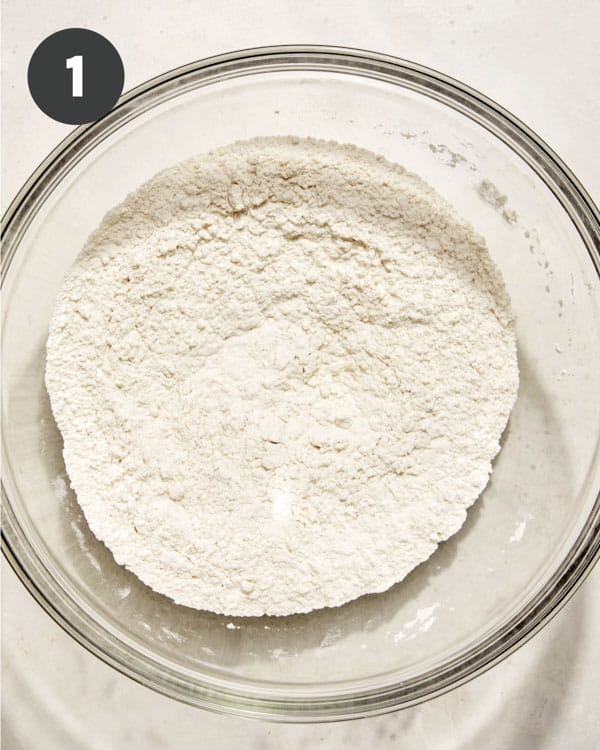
281	371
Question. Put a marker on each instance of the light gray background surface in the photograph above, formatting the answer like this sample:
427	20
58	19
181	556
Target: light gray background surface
539	60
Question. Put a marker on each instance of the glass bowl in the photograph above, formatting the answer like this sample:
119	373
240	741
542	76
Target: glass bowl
529	540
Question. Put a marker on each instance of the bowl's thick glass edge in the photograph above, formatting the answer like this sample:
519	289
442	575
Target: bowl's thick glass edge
309	706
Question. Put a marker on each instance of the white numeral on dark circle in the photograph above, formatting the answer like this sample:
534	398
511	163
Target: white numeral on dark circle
76	65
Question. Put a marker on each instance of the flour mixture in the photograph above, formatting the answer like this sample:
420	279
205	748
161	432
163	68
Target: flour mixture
281	371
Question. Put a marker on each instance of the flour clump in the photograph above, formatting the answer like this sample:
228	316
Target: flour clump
281	371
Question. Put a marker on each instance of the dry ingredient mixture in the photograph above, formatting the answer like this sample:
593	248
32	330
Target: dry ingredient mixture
281	371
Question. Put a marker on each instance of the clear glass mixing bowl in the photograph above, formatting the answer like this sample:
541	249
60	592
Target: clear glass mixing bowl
530	539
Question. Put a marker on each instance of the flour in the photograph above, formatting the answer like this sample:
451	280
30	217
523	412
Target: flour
488	192
281	371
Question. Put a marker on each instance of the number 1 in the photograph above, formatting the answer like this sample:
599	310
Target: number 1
76	65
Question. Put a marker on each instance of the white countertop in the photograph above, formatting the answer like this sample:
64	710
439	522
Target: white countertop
539	60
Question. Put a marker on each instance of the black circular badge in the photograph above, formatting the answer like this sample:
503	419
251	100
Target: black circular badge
75	76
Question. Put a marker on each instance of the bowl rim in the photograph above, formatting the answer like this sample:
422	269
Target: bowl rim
269	702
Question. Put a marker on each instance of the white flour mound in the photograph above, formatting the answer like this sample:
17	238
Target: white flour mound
281	371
